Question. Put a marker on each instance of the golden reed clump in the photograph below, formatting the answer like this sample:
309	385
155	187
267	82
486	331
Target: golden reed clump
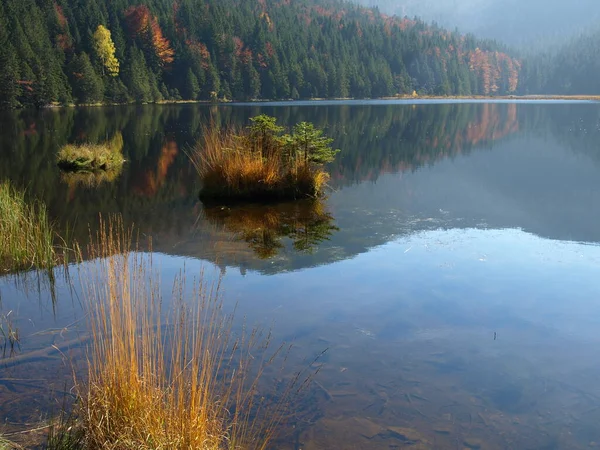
176	379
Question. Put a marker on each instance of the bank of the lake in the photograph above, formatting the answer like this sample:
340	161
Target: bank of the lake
403	98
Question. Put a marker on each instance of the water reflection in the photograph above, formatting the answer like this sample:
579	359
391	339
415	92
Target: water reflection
306	223
447	224
449	164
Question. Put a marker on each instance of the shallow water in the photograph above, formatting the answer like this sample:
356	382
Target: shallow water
451	274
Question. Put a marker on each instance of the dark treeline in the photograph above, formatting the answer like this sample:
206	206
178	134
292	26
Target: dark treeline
571	69
88	51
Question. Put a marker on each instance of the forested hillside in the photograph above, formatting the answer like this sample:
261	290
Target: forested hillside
87	51
529	24
572	69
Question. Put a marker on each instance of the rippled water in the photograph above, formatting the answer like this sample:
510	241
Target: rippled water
452	272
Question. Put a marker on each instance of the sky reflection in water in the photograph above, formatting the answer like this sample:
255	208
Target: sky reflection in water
457	292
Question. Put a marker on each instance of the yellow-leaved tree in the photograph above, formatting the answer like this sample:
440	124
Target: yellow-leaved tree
105	49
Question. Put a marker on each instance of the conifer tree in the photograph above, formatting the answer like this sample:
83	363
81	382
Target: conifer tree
192	86
87	84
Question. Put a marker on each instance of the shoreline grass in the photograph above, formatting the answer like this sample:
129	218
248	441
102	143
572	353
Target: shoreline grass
180	380
26	235
259	164
107	156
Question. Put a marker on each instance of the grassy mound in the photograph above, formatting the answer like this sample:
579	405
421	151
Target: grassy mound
26	236
260	164
92	157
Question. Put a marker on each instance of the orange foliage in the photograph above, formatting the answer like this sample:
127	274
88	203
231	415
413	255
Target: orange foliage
243	53
262	63
491	126
60	15
494	67
161	45
199	50
138	19
270	50
239	45
30	131
26	84
488	126
63	40
180	29
152	181
142	24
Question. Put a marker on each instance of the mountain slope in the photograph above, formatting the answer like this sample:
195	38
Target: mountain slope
571	69
516	22
133	50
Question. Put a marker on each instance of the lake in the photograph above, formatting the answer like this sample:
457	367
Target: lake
452	274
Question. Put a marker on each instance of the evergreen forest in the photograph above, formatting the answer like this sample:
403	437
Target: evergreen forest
57	52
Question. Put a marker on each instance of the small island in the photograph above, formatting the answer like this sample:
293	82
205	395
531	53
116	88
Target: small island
106	156
261	163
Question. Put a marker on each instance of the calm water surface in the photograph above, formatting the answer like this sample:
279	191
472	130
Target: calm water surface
452	273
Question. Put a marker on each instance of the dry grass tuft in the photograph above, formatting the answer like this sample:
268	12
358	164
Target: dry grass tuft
167	381
26	236
92	157
231	169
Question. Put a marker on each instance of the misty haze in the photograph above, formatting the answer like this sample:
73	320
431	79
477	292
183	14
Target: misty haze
524	23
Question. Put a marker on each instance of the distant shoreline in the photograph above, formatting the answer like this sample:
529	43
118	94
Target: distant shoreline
482	98
498	97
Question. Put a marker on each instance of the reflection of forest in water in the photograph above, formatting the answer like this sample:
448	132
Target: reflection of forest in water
305	223
157	188
407	344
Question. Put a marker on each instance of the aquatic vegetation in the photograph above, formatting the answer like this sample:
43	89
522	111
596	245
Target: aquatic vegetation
180	380
9	334
92	157
307	223
260	163
4	444
26	235
65	433
90	179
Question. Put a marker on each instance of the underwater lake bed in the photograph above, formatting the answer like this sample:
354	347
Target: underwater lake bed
445	291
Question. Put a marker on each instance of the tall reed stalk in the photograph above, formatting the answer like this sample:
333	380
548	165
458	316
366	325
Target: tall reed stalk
168	378
26	235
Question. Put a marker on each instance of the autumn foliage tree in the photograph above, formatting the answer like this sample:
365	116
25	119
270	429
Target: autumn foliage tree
105	49
144	26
